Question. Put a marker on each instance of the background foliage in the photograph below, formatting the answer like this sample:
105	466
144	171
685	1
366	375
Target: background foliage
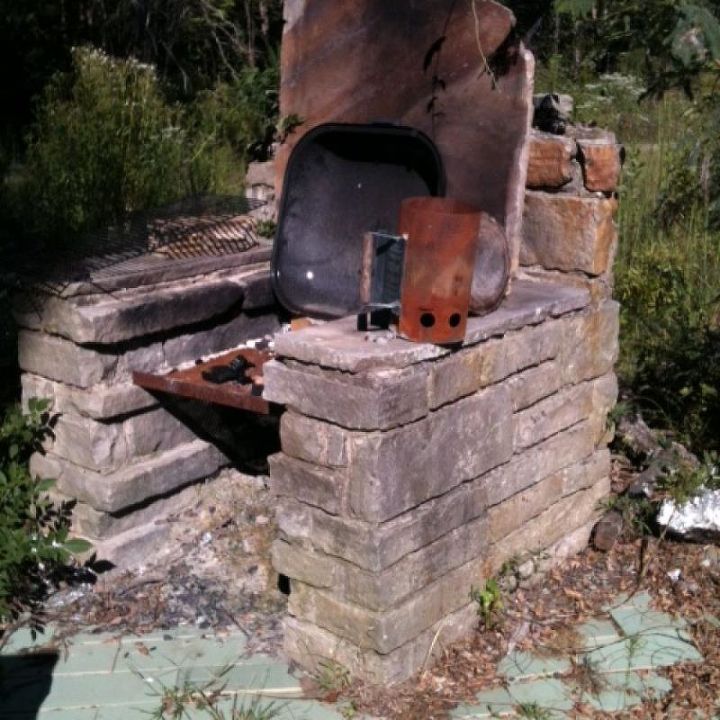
650	71
35	547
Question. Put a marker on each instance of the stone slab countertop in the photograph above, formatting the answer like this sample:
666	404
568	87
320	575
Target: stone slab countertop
338	345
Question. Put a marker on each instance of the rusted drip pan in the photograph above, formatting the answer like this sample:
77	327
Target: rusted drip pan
442	236
190	383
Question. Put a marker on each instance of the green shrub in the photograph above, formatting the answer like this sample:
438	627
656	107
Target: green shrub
35	547
105	143
108	142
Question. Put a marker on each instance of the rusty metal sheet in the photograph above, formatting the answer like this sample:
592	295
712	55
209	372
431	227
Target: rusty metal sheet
189	383
441	244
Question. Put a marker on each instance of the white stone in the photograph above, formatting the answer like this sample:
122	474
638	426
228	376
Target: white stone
697	519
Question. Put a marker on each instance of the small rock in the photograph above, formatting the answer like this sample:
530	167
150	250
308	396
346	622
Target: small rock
698	519
508	583
608	531
675	574
526	570
262	520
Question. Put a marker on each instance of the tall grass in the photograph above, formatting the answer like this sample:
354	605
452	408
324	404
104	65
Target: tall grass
668	281
667	269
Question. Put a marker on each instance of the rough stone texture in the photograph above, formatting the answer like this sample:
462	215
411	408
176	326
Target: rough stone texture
61	360
139	546
136	482
379	399
517	510
314	441
320	487
550	160
487	363
386	631
308	645
98	525
391	507
100	402
608	531
601	161
550	416
58	359
392	472
336	344
108	446
591	343
561	519
564	232
528	467
534	384
361	63
124	315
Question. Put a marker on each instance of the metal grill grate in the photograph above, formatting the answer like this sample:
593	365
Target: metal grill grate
197	226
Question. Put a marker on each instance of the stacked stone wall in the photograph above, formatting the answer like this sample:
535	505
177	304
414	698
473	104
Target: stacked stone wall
117	449
409	473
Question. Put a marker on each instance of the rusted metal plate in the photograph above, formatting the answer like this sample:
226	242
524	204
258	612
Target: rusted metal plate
190	383
441	243
450	69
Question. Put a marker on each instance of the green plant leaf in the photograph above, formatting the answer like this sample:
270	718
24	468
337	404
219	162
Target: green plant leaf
77	546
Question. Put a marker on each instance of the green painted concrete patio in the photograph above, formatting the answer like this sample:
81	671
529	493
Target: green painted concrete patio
106	677
620	653
103	677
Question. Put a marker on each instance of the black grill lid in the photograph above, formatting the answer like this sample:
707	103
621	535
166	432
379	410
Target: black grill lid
341	182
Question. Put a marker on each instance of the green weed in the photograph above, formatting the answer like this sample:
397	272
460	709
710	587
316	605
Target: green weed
489	602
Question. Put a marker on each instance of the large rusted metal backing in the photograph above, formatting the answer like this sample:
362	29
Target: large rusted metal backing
441	244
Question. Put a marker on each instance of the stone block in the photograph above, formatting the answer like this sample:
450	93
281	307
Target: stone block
527	468
564	232
601	161
397	470
98	525
136	482
465	372
313	441
59	359
552	415
387	589
591	343
560	520
128	314
605	394
187	348
308	645
338	345
100	402
135	548
317	486
379	399
531	346
305	565
550	161
384	632
517	510
107	446
534	384
471	369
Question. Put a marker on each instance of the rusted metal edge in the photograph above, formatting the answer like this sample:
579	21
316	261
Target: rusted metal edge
189	383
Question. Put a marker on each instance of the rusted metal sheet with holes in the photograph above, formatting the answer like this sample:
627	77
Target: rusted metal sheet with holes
190	382
439	259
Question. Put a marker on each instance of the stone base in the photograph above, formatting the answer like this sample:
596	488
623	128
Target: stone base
411	473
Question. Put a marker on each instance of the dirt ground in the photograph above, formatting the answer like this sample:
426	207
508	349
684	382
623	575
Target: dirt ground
220	577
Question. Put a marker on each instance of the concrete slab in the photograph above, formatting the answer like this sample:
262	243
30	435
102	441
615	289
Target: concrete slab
104	677
522	666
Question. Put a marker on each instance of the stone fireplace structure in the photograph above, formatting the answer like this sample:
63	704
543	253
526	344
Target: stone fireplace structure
408	473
